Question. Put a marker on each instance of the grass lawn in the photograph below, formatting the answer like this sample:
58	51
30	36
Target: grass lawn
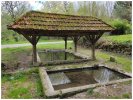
21	42
119	38
125	62
11	53
28	85
22	85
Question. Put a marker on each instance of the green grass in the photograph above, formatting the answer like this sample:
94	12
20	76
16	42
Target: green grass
123	60
119	38
54	46
90	91
123	96
12	55
19	93
9	54
28	84
23	85
26	41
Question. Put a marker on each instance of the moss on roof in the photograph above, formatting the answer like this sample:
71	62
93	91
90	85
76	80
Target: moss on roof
50	21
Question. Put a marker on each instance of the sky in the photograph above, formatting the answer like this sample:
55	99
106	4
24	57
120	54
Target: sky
35	5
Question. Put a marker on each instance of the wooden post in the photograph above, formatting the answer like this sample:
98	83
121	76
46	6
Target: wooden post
65	39
65	42
34	53
34	42
93	51
75	44
93	38
33	39
65	55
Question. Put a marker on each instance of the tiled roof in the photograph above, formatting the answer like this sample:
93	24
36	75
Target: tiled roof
50	21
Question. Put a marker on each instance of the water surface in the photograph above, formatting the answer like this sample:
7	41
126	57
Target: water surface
61	80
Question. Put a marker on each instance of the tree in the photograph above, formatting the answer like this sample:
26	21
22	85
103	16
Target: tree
100	9
123	10
53	7
15	8
11	10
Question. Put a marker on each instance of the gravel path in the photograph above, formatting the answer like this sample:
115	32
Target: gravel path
28	44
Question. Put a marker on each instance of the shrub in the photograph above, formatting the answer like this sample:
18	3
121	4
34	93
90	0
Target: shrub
122	27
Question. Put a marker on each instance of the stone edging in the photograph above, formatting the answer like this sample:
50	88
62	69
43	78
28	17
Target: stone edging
50	92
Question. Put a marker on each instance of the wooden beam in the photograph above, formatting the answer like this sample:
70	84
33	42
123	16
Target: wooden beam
38	39
33	39
60	33
28	38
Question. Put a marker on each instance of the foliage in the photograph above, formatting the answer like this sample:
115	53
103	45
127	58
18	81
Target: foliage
63	7
98	9
14	8
11	10
123	10
121	26
106	10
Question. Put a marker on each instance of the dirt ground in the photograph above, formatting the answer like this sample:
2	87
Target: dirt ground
115	91
22	62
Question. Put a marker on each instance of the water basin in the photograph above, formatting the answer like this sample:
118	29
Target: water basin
83	76
56	55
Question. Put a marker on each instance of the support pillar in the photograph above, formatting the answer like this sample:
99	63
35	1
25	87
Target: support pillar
34	53
93	38
93	52
65	39
33	39
75	40
75	44
65	55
